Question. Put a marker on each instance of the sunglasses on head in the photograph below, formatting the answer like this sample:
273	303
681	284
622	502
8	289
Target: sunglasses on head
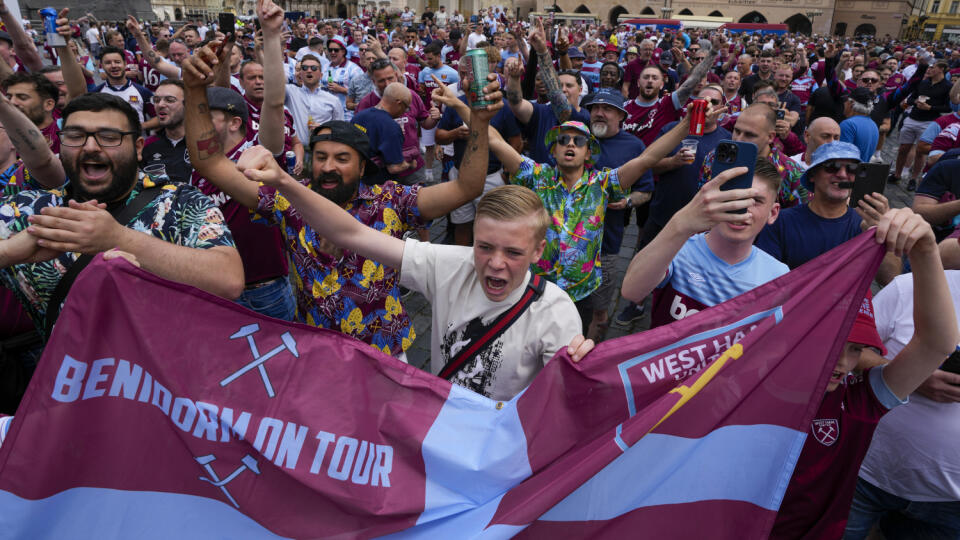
832	167
578	140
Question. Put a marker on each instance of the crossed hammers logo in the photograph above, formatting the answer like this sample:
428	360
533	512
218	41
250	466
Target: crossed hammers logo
258	360
248	462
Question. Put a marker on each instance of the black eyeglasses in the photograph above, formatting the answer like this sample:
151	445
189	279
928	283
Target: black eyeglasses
106	138
311	67
578	140
335	49
832	167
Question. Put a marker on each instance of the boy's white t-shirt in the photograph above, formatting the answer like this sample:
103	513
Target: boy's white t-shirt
447	277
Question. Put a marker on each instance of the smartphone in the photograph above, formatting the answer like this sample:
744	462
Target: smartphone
780	114
952	363
256	24
372	31
474	19
871	178
227	23
732	154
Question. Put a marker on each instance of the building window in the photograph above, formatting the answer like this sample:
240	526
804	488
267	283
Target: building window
935	7
953	7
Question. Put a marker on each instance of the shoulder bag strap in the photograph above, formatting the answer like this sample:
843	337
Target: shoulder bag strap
533	292
123	216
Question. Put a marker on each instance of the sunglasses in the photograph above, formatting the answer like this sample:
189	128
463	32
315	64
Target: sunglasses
311	67
713	102
334	49
578	140
869	80
832	167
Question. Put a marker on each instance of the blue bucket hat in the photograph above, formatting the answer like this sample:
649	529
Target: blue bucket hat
552	135
606	97
827	152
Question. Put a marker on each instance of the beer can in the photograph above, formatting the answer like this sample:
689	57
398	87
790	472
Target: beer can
478	70
291	160
53	39
698	116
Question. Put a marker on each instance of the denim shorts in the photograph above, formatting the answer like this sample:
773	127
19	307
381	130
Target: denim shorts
899	518
273	298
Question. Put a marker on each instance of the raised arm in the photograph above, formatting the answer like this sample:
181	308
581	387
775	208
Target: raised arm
32	147
521	108
709	206
558	100
274	79
683	93
69	64
167	69
206	152
632	170
935	333
329	220
439	199
23	46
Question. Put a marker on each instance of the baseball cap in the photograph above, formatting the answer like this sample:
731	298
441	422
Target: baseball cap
666	58
864	331
606	97
6	37
827	152
861	95
227	100
574	52
349	134
632	50
611	48
339	41
552	135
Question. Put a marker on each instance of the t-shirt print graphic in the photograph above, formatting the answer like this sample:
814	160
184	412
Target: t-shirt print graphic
478	373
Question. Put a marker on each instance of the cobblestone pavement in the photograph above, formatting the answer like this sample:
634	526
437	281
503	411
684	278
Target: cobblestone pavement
419	308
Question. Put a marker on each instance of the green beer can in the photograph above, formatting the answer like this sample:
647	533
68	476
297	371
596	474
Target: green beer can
478	70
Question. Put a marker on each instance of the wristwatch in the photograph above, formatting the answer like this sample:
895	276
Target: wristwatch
629	202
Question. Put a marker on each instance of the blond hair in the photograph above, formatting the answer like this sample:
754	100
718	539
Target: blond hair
511	203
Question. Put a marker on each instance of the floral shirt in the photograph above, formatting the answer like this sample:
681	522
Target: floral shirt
792	191
180	215
350	293
571	258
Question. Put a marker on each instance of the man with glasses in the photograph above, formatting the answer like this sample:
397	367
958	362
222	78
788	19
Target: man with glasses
179	235
806	231
337	76
168	148
310	104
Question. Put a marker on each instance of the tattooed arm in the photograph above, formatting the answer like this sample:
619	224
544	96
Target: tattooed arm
439	199
203	143
682	94
558	101
34	150
23	46
167	69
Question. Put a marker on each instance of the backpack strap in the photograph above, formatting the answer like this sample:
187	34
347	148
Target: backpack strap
124	215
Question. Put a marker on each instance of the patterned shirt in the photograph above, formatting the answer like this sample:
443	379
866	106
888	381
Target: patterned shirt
180	215
352	294
571	258
792	192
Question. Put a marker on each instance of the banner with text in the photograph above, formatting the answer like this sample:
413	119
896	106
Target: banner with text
160	411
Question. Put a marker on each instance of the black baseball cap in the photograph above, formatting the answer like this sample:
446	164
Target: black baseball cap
350	134
6	37
227	100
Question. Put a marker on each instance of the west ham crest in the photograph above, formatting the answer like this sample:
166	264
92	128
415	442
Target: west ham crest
826	431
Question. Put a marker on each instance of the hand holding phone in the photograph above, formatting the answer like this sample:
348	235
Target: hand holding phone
716	203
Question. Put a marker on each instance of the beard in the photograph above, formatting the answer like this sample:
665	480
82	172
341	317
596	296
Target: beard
653	93
599	129
340	194
123	175
173	120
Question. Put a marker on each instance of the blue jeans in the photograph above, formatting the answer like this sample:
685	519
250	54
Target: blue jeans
273	299
900	518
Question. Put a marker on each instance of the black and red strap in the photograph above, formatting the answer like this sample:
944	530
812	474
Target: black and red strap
533	292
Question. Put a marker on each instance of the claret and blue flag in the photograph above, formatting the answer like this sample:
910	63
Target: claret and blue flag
159	411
